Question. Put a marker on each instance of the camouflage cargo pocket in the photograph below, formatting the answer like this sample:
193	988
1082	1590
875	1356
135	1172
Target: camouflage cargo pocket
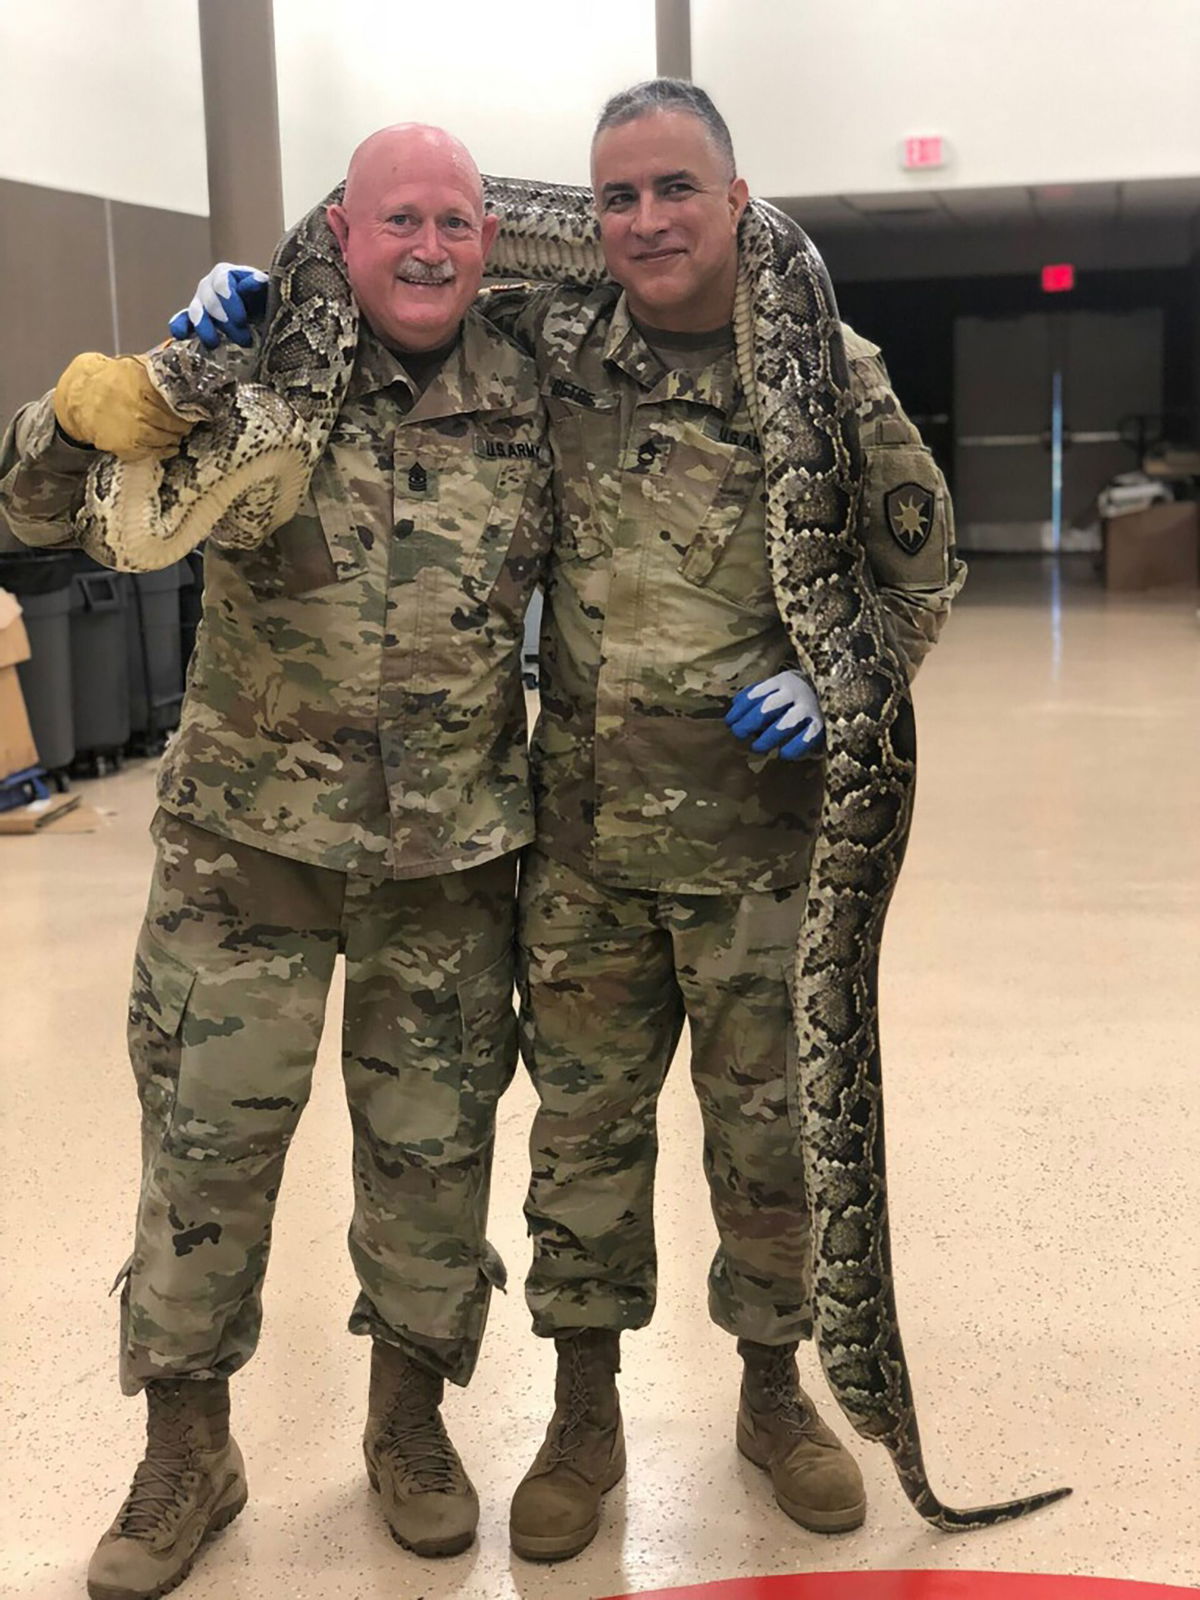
585	433
510	483
459	492
791	1053
725	503
321	545
489	1054
162	985
437	1094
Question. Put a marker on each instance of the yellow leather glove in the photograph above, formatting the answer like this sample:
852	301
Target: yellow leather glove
110	402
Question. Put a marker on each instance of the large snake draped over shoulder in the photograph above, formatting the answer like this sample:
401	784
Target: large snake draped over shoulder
242	472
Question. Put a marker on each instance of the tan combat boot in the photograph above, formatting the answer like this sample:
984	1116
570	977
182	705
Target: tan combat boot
815	1478
429	1502
190	1482
556	1509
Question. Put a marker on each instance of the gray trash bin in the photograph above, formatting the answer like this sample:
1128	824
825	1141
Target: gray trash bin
99	665
191	605
531	642
41	581
154	654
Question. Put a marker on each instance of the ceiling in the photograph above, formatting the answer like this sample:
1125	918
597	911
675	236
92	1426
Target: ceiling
929	232
1104	204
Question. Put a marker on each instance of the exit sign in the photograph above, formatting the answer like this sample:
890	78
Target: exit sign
1058	279
926	150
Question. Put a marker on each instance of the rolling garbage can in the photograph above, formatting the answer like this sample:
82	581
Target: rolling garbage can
191	606
531	642
41	581
154	655
99	665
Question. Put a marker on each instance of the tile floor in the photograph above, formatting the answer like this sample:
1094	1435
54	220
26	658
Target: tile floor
1041	996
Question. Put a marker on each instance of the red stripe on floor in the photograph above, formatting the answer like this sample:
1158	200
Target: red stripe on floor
915	1586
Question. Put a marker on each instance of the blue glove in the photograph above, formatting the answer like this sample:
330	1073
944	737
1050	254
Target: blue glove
783	713
226	302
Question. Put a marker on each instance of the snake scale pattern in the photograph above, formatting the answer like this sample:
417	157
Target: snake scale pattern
242	472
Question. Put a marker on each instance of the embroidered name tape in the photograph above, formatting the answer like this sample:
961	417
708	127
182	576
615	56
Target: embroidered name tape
571	391
744	441
724	434
509	450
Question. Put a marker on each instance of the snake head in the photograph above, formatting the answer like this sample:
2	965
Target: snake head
192	383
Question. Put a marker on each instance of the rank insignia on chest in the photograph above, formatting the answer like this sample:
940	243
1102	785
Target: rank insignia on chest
909	512
421	482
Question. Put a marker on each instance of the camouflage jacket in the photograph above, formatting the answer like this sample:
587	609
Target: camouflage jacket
355	697
659	605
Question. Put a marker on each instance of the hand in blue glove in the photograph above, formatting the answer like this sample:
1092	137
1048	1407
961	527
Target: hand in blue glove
227	301
781	714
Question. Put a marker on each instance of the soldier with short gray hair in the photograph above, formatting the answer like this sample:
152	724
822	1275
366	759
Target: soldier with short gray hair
668	876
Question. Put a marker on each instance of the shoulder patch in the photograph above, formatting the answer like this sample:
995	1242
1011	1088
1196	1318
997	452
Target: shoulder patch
909	512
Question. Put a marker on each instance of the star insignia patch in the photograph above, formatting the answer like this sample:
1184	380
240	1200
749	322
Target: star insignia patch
909	512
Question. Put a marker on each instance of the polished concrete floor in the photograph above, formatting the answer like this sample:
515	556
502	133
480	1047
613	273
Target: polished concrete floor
1041	1001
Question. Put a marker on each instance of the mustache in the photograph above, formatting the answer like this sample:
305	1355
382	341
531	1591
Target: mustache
426	272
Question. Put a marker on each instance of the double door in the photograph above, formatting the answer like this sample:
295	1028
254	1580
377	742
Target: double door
1046	411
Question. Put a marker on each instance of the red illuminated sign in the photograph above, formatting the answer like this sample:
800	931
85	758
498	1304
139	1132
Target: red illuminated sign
1058	279
925	151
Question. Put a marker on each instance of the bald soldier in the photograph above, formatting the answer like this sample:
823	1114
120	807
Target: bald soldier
349	776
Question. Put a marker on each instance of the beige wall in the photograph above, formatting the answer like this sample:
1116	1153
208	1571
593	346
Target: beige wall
81	273
104	97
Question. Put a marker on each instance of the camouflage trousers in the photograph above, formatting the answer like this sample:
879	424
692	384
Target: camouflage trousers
606	978
232	971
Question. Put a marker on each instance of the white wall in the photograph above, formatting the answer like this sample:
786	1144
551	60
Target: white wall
520	82
104	97
819	93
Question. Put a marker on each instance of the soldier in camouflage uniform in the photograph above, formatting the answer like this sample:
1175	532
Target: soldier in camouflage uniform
668	877
349	776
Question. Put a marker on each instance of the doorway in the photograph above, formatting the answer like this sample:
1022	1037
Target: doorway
1047	409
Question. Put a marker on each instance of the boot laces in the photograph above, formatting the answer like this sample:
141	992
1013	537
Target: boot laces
780	1390
574	1413
415	1439
157	1492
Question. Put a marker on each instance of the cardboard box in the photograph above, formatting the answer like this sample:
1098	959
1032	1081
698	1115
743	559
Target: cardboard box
1158	548
17	749
35	816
